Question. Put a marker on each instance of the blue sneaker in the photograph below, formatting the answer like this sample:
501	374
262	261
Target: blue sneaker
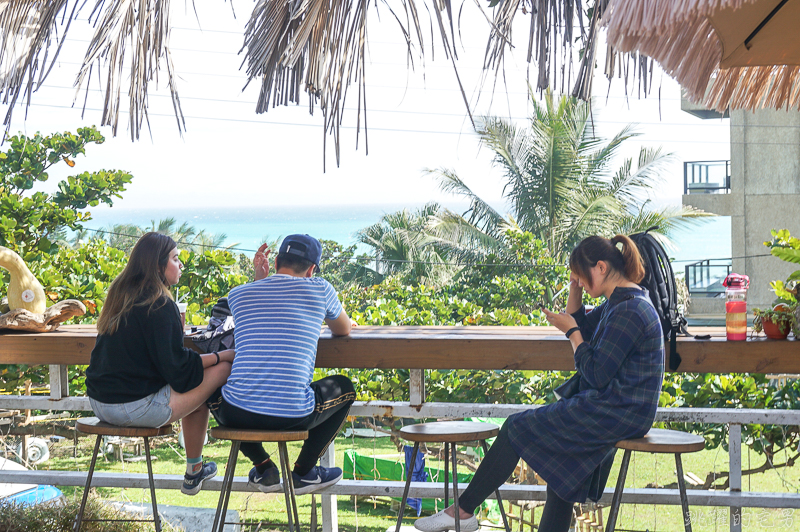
193	483
268	482
316	479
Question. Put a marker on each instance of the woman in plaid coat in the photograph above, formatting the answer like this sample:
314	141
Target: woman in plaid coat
619	358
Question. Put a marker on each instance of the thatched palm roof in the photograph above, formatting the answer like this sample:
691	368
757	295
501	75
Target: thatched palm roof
289	47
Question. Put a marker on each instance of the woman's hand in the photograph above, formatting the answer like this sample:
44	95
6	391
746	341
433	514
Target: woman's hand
261	262
575	299
562	321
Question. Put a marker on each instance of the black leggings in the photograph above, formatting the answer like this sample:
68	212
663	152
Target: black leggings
495	468
332	399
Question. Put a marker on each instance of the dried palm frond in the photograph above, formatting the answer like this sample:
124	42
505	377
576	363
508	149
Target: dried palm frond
27	35
142	25
683	39
290	46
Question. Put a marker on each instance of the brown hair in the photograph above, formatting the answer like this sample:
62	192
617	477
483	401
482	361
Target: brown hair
626	261
141	283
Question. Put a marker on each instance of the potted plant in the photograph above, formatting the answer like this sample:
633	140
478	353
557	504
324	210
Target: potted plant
775	323
787	248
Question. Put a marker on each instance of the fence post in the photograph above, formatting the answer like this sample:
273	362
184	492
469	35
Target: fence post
735	469
330	516
59	381
416	386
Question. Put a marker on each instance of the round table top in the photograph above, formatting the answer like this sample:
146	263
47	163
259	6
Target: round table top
92	425
665	441
449	431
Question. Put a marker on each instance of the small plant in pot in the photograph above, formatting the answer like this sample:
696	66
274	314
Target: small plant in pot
775	323
787	248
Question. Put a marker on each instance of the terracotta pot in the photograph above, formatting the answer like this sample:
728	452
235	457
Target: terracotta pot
773	330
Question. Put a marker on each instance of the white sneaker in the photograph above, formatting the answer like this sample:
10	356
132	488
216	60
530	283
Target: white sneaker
440	521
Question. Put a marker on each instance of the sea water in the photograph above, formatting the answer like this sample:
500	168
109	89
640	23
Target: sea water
249	227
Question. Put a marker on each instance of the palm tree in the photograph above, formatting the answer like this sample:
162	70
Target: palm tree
124	236
400	243
559	185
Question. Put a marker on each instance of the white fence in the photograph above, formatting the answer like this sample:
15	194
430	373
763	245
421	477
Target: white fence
734	498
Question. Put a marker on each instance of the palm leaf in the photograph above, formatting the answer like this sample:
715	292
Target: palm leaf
144	25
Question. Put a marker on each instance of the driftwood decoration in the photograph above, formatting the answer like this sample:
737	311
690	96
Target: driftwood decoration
24	320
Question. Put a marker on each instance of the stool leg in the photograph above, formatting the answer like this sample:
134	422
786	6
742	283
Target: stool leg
687	518
455	489
446	475
500	499
225	490
288	487
617	500
79	517
408	485
156	518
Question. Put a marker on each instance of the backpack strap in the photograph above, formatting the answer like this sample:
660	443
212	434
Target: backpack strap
658	265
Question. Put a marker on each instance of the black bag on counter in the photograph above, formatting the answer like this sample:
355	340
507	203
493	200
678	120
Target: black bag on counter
218	336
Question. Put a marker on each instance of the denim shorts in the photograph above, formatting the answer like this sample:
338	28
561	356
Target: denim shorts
151	411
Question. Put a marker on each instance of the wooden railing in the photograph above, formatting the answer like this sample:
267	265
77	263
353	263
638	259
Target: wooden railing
419	348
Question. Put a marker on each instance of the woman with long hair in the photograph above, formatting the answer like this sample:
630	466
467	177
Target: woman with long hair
619	357
140	373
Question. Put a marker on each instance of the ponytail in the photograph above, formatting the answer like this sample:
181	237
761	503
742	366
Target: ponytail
620	253
633	269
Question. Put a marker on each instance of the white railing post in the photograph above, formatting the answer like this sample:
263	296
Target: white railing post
59	381
330	517
735	472
416	387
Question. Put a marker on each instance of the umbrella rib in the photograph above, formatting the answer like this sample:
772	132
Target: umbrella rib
764	23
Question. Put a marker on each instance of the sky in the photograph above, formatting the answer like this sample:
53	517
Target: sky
231	157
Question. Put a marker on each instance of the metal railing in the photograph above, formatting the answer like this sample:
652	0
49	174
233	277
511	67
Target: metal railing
707	177
704	278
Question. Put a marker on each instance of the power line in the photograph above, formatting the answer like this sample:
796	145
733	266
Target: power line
400	111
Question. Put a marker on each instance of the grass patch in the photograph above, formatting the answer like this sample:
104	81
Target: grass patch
59	516
378	514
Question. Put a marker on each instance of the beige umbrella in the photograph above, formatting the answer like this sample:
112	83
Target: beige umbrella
747	47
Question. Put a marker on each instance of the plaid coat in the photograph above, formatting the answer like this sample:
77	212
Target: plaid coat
621	365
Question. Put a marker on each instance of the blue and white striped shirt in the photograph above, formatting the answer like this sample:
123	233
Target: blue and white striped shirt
278	322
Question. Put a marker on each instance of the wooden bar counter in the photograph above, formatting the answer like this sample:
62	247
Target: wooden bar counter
526	348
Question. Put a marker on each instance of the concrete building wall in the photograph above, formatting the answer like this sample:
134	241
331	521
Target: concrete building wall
765	158
765	195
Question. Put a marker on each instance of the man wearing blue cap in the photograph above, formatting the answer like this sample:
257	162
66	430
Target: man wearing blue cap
278	320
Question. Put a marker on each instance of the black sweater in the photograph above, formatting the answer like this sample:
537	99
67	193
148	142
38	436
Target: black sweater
142	356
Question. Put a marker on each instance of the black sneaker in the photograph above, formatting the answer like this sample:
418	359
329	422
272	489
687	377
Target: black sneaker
268	482
316	479
193	483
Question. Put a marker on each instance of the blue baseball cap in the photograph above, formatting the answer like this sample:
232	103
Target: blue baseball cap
304	246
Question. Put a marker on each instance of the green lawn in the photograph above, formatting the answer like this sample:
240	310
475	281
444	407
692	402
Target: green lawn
378	515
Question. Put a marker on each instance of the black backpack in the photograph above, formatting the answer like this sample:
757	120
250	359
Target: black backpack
218	336
659	279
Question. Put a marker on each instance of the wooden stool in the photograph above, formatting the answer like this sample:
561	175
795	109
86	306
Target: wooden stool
92	425
237	436
657	441
449	433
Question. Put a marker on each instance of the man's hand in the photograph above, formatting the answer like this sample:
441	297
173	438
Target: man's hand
261	262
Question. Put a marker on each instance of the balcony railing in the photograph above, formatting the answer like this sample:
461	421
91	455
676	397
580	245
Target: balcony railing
707	177
704	278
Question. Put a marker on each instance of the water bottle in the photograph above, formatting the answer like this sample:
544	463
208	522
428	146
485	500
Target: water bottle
736	306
